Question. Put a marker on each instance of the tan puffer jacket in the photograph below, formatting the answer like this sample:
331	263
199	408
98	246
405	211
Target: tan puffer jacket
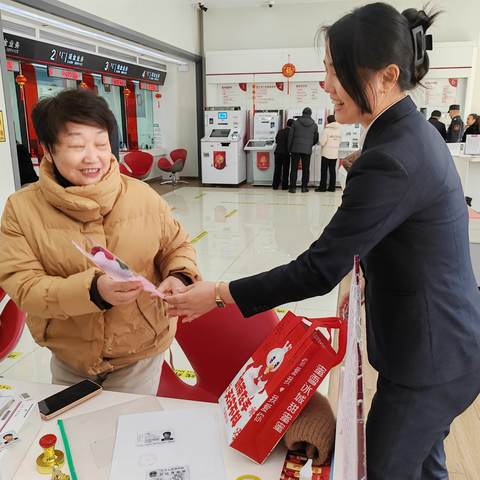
50	280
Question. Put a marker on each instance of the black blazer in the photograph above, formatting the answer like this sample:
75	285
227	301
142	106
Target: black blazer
404	212
440	126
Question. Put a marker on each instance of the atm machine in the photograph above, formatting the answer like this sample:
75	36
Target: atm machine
223	157
319	116
260	150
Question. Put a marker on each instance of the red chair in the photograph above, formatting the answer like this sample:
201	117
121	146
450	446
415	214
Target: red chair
140	163
125	170
217	345
173	166
12	322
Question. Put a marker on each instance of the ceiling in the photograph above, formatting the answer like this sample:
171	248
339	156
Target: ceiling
259	3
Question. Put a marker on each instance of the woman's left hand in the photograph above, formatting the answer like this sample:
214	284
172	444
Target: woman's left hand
171	285
195	300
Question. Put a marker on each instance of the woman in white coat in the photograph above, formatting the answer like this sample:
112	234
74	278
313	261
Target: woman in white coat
330	142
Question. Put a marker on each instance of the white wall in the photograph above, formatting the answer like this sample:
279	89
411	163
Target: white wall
295	25
177	116
172	21
224	68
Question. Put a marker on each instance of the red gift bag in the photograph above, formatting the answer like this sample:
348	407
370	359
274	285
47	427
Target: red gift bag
277	381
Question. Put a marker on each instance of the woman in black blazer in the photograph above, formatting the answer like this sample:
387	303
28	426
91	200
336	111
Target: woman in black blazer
403	211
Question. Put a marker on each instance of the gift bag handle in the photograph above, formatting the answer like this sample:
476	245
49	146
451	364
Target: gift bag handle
329	323
333	322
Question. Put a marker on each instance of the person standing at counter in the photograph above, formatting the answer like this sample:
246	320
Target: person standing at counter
302	137
473	126
411	233
330	142
282	157
440	126
455	130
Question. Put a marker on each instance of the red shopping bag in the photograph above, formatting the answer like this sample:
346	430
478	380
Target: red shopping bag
277	381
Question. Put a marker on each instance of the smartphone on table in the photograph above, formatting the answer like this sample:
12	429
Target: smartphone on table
66	399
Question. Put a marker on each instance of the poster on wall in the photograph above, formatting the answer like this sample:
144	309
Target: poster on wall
232	95
441	91
157	135
308	93
268	95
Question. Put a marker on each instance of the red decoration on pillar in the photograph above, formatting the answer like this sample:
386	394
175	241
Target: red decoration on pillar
280	85
131	115
88	81
322	84
243	86
158	96
453	82
30	100
21	80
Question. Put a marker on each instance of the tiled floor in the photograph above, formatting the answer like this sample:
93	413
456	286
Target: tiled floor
248	230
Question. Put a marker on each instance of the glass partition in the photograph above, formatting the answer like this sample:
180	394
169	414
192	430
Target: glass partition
144	104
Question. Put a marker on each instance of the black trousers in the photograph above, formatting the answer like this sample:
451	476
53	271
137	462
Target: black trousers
406	427
328	164
282	167
296	159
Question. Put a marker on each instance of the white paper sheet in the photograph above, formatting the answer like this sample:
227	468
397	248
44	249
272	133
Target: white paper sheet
170	445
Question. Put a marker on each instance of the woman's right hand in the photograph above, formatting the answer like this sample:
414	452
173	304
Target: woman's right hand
118	293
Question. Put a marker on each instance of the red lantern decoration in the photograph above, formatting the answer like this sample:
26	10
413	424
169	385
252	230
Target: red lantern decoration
158	96
127	91
82	84
21	80
288	71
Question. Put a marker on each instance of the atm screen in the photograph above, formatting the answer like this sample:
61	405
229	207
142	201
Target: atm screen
222	115
220	133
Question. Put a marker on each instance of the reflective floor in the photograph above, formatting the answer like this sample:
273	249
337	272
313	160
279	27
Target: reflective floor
236	232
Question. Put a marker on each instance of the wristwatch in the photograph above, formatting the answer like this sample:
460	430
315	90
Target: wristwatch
218	299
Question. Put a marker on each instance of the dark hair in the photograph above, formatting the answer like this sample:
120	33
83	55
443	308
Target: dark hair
307	111
436	114
51	114
330	119
371	38
290	122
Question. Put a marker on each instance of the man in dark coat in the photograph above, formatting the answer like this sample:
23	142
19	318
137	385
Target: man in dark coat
440	126
455	130
302	137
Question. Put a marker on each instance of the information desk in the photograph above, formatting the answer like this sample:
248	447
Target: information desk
237	466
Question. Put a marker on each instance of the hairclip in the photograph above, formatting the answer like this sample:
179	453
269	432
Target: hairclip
421	43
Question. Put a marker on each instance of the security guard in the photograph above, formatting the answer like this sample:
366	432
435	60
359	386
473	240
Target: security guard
455	130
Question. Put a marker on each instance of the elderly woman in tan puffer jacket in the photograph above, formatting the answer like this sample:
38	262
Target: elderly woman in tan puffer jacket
111	332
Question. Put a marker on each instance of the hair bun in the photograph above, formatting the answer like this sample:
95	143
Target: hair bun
419	17
424	19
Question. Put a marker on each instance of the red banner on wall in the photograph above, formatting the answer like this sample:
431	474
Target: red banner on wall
131	114
31	99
